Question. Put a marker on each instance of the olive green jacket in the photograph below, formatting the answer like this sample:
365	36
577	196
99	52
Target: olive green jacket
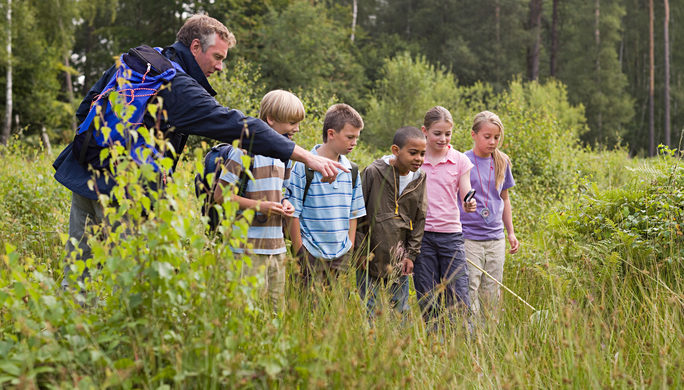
389	226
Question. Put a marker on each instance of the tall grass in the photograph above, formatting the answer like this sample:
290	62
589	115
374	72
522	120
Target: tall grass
174	313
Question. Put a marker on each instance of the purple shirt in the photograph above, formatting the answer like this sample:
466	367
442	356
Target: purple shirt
483	180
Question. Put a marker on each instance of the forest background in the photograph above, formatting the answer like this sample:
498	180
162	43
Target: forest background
610	54
600	222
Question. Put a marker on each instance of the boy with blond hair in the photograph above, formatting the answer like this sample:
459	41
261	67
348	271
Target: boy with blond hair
324	224
282	111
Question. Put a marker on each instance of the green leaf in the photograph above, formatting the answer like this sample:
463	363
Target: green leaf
10	368
164	269
9	248
19	290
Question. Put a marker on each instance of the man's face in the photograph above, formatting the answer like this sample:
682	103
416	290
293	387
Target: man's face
210	60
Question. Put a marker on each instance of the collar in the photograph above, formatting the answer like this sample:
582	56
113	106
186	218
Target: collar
181	54
343	159
450	156
387	158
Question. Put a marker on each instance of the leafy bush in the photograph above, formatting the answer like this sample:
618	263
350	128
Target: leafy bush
639	225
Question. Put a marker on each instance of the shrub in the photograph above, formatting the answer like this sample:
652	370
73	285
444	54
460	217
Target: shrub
638	226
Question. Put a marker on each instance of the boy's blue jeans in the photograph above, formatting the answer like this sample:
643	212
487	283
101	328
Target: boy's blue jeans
369	286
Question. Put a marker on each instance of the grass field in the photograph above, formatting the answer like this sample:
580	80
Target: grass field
601	263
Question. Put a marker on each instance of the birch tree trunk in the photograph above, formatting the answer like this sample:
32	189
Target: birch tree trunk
354	12
666	37
4	137
597	38
69	87
651	82
46	140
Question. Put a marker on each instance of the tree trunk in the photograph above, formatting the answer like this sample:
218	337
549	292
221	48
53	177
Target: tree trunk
354	11
497	19
597	64
408	20
535	45
497	28
4	137
554	38
651	82
69	87
87	49
46	140
666	37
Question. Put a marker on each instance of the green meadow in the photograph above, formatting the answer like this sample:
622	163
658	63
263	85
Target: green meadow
600	262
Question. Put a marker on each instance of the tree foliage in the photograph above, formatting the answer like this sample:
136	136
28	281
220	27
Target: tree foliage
600	55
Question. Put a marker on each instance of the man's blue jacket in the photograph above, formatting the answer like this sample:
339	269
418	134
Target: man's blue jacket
191	109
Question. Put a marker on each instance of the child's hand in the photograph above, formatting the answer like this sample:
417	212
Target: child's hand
288	208
406	266
515	245
470	207
270	208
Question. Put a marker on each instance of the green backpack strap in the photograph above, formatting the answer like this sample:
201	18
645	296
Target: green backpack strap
310	175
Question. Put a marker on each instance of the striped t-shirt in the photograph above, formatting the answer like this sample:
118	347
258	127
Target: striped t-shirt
324	218
270	177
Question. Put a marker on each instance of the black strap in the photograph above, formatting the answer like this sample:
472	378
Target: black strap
309	179
86	144
355	174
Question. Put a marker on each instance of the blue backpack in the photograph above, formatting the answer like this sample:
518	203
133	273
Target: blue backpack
139	75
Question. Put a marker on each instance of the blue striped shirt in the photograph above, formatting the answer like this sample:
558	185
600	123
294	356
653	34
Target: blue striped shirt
270	177
324	219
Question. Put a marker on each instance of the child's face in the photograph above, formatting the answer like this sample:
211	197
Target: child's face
438	136
287	129
343	142
486	139
410	157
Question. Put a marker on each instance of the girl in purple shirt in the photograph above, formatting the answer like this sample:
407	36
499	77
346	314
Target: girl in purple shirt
485	242
440	272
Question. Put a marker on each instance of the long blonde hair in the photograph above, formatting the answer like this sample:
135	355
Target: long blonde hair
501	160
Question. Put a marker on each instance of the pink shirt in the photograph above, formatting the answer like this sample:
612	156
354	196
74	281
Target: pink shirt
443	215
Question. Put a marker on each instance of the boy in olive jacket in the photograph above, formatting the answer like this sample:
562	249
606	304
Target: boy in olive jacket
388	238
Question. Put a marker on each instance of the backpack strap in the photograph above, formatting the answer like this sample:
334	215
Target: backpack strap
355	174
244	178
309	178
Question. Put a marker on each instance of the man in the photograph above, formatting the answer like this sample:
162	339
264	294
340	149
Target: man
190	108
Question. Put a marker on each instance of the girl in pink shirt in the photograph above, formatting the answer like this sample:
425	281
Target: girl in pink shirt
442	255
